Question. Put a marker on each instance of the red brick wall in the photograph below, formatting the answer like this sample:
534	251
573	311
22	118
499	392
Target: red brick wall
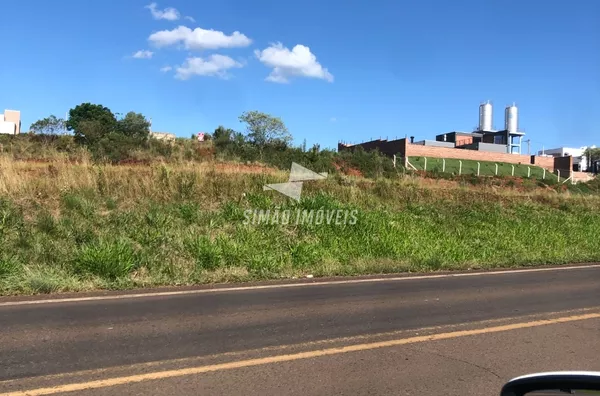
414	150
544	162
462	140
402	148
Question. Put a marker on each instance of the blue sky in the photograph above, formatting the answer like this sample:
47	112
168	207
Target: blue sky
363	69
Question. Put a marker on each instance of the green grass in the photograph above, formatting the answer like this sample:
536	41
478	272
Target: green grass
176	226
469	167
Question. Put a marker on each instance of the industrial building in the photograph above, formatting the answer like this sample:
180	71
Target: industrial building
580	160
10	122
483	144
483	138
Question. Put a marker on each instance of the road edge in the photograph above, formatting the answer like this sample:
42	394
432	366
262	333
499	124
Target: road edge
273	284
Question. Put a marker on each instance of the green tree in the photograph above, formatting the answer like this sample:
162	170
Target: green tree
49	126
91	132
223	134
90	122
592	154
115	147
134	125
227	138
264	129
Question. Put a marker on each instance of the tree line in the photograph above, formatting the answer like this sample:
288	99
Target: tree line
115	137
104	133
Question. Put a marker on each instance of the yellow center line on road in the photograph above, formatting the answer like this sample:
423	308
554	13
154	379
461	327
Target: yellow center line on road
158	375
317	344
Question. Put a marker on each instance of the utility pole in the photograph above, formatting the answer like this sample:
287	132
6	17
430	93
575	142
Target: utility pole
528	146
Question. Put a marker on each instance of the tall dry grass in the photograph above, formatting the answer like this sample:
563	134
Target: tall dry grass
46	182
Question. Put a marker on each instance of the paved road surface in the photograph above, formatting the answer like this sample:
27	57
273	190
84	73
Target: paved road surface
456	335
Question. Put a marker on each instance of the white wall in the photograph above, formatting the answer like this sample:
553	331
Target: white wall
8	128
561	152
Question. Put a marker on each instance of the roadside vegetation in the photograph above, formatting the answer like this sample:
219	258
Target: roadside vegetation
78	220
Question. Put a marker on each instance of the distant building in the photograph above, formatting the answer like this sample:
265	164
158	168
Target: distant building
163	136
493	141
580	161
10	122
484	138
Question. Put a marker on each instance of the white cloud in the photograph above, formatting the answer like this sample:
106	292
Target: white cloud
333	119
215	65
198	39
189	18
143	54
169	13
299	62
166	69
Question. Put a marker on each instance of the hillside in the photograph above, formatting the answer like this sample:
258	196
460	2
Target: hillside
68	226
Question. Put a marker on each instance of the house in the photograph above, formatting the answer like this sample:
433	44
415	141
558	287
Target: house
10	122
580	160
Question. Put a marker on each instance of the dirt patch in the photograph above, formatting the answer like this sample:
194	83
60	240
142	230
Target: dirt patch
343	167
206	152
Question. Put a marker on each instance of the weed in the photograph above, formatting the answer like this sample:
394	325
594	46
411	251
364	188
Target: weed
206	254
46	223
188	212
109	259
8	265
111	203
77	203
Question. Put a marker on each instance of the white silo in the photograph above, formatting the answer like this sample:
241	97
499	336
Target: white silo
485	116
511	119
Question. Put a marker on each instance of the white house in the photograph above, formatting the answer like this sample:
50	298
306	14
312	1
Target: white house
580	162
10	122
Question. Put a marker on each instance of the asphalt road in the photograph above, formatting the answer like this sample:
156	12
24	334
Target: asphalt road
462	335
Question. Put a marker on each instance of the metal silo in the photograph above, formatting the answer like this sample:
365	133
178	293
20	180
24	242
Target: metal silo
485	116
511	117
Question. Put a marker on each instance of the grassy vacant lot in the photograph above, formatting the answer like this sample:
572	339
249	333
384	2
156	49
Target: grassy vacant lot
469	167
70	227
